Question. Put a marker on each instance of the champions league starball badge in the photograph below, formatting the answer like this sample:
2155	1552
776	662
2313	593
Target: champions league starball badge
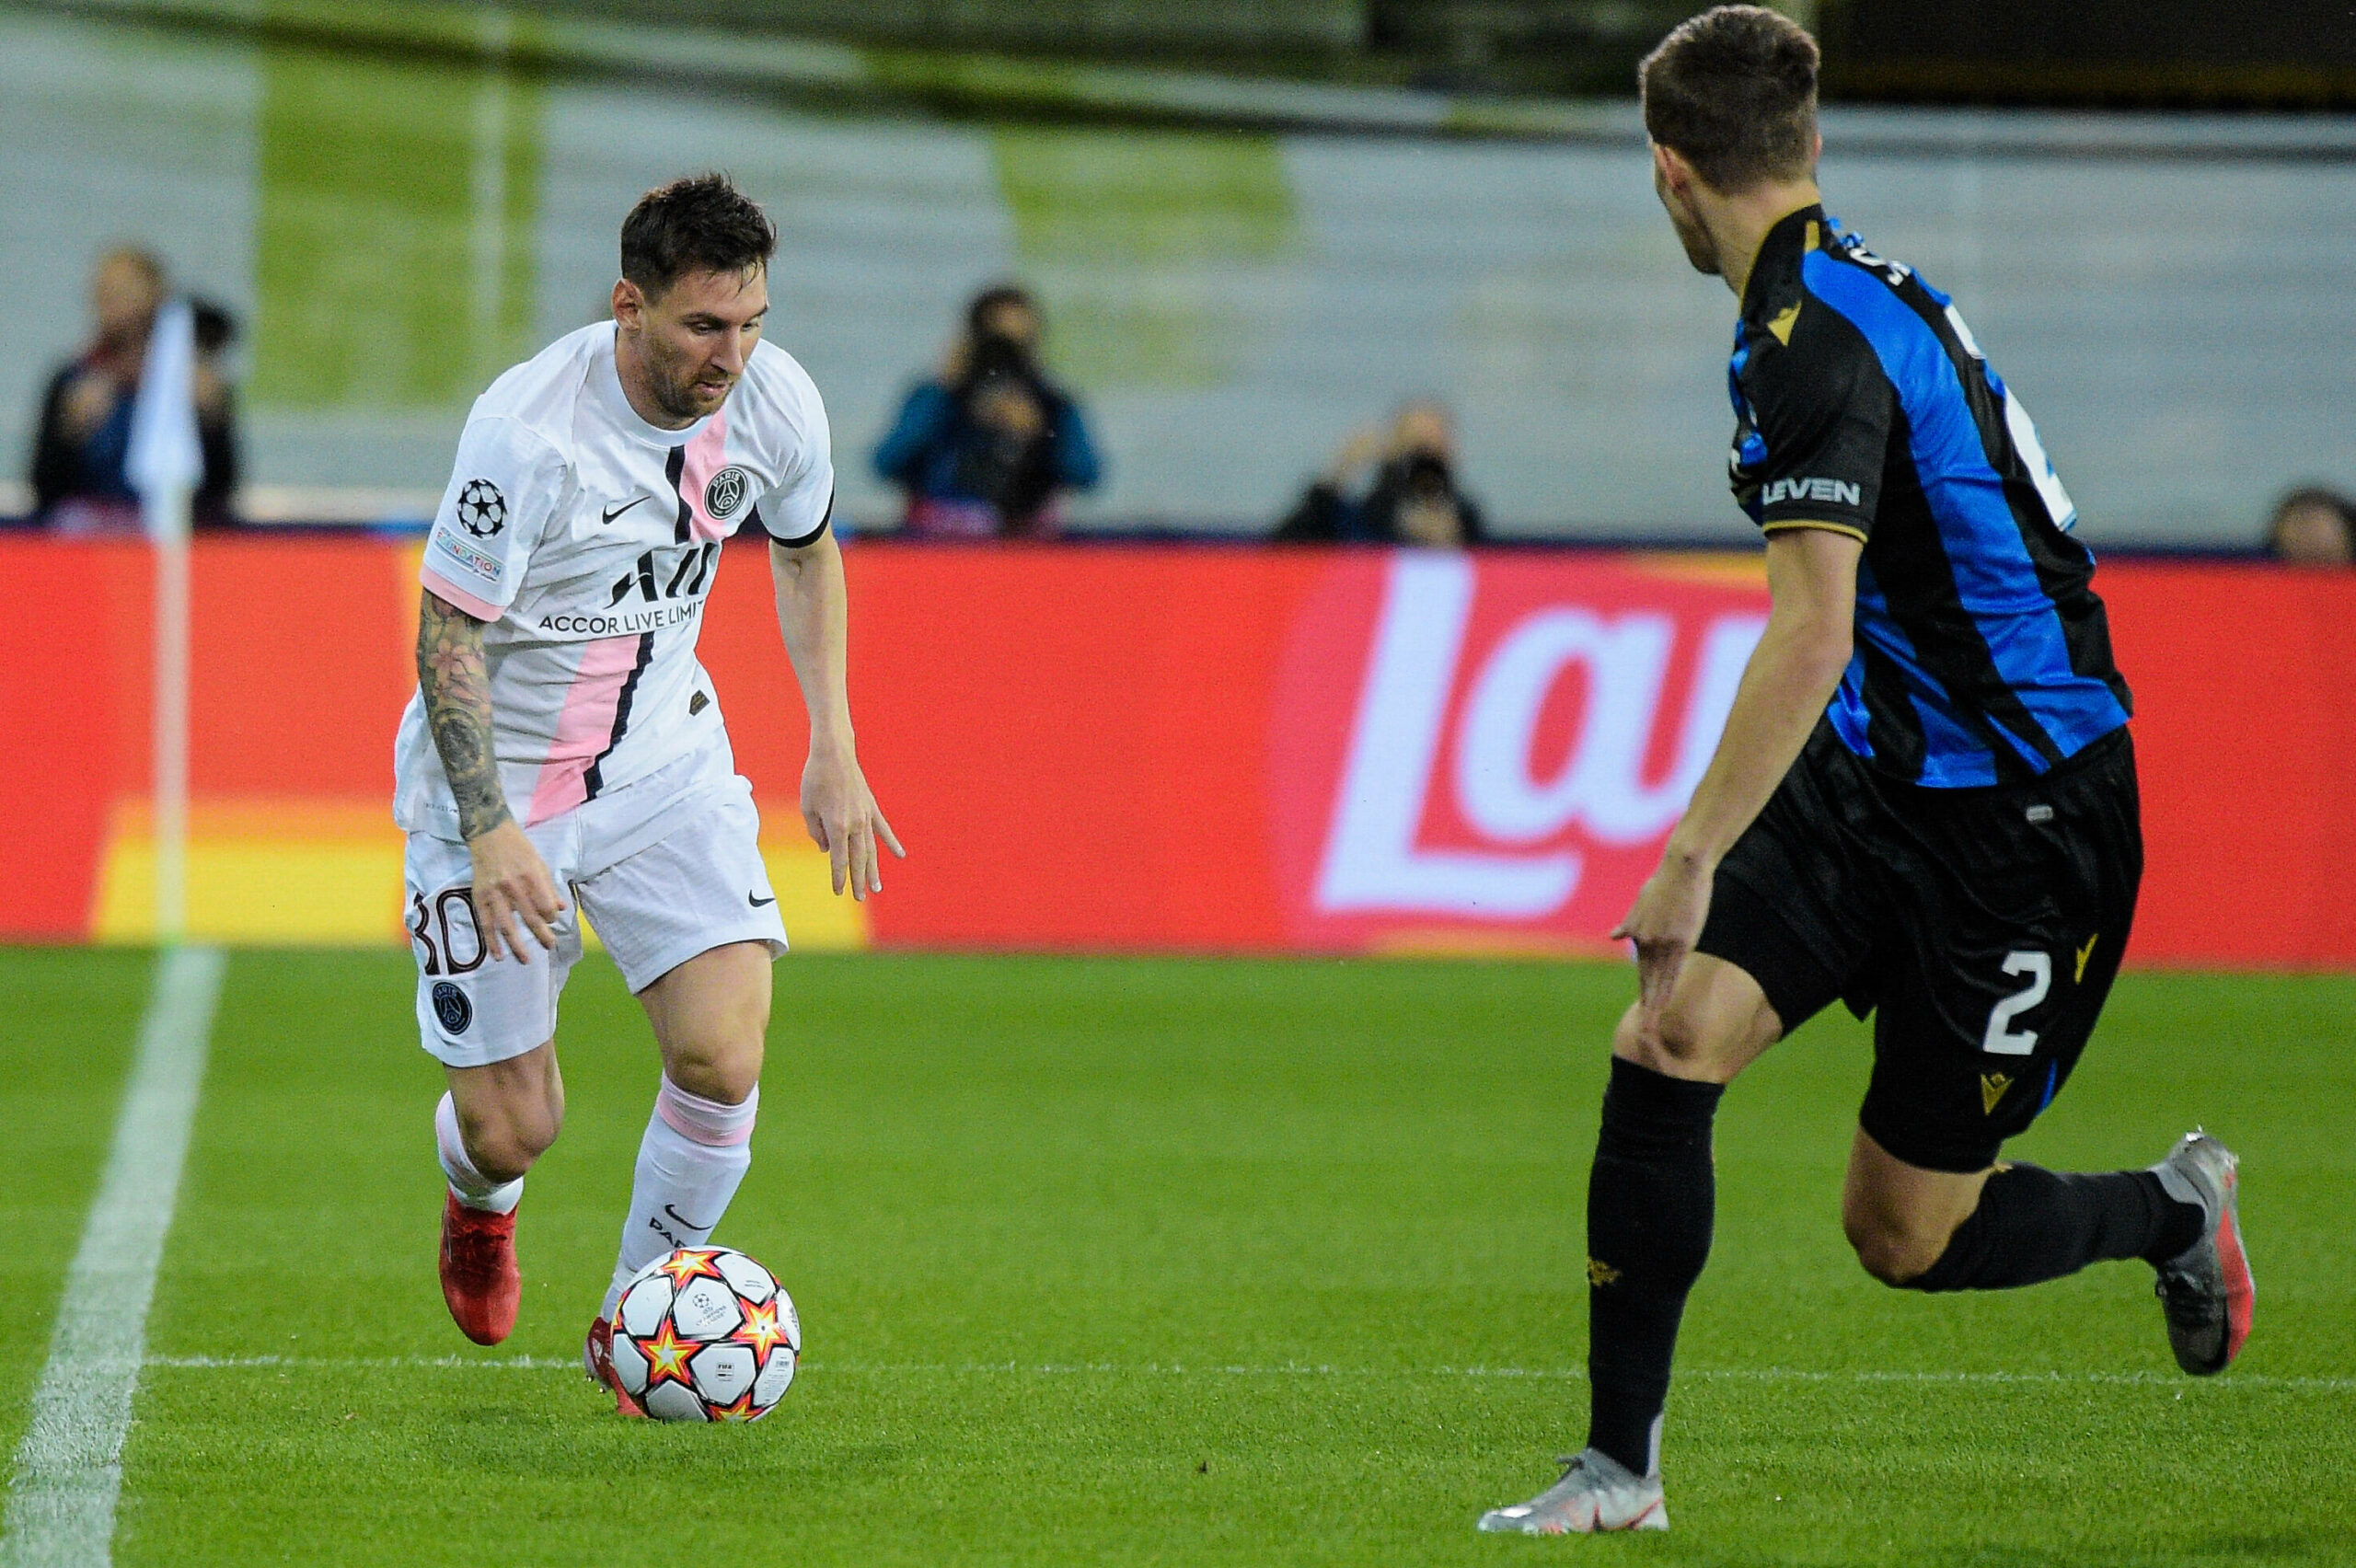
482	511
726	492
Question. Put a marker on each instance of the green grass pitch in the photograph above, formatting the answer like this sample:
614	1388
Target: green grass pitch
1169	1261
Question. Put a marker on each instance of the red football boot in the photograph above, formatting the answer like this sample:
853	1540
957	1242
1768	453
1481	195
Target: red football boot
480	1279
597	1356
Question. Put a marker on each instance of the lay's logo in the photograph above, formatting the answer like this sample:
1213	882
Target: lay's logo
1523	738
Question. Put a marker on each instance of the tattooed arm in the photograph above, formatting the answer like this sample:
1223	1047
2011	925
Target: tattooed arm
456	683
512	881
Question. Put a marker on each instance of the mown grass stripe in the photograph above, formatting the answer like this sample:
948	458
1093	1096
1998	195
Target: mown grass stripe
69	1468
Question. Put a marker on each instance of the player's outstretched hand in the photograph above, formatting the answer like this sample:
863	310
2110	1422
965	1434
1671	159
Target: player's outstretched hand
512	885
1664	922
841	812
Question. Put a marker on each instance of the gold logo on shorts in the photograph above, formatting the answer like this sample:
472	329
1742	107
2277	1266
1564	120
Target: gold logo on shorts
2086	952
1991	1089
1600	1273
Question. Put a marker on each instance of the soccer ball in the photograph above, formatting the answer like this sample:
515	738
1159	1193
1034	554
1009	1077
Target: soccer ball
706	1334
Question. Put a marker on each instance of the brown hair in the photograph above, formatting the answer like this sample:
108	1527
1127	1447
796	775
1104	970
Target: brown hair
1733	91
699	224
2299	499
979	309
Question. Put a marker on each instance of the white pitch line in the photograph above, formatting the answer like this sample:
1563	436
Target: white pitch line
342	1362
1061	1370
69	1467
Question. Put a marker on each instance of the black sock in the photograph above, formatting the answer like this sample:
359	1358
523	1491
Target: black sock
2034	1225
1648	1211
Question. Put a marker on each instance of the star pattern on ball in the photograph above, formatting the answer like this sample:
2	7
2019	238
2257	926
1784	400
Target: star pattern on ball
691	1263
482	511
760	1329
666	1357
742	1410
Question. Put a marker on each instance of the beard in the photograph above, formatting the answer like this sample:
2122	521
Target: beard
673	383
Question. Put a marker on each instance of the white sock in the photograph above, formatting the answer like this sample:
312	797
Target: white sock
694	1154
469	1185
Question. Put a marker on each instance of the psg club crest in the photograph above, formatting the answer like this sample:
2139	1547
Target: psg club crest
726	492
482	511
450	1005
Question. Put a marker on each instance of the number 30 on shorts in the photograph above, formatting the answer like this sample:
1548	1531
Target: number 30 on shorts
424	918
2002	1038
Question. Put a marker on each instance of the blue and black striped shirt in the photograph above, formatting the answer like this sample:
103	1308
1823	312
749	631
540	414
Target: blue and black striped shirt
1863	404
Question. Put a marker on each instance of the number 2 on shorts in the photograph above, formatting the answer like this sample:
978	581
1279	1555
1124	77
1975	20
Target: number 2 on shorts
2002	1038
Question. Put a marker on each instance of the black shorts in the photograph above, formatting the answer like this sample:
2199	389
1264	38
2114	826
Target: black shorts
1984	924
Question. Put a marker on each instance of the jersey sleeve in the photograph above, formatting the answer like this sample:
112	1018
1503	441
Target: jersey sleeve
1824	407
799	510
504	488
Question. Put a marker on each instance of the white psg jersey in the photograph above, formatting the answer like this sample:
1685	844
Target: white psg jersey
587	540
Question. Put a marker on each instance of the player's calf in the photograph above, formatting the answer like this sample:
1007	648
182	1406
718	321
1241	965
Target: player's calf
481	1284
507	1113
488	1130
2032	1224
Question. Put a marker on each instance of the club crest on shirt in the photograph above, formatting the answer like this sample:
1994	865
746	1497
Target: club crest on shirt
726	492
482	511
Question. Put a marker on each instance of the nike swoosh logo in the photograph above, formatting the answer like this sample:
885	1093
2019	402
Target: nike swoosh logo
757	902
685	1221
613	512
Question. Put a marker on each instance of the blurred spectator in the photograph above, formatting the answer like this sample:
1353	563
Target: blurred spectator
79	483
1413	498
983	449
2313	526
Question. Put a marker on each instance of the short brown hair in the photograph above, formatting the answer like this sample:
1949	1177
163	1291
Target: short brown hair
1733	91
699	224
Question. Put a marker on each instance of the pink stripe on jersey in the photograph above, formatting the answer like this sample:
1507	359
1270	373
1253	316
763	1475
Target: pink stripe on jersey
705	456
585	726
451	593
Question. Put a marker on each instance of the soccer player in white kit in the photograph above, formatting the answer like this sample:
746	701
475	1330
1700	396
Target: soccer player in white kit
564	738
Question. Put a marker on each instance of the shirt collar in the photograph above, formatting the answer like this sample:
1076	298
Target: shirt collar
1795	235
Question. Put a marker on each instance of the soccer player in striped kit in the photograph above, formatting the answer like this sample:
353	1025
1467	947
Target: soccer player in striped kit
565	750
1924	804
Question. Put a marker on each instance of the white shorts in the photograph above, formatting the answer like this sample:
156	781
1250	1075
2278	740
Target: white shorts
661	878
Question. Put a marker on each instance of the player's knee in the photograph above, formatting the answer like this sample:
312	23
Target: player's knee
724	1065
1895	1253
1678	1045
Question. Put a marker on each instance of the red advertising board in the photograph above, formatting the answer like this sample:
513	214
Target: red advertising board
1168	748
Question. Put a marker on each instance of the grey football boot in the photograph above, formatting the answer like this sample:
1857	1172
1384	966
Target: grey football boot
2205	1290
1596	1493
